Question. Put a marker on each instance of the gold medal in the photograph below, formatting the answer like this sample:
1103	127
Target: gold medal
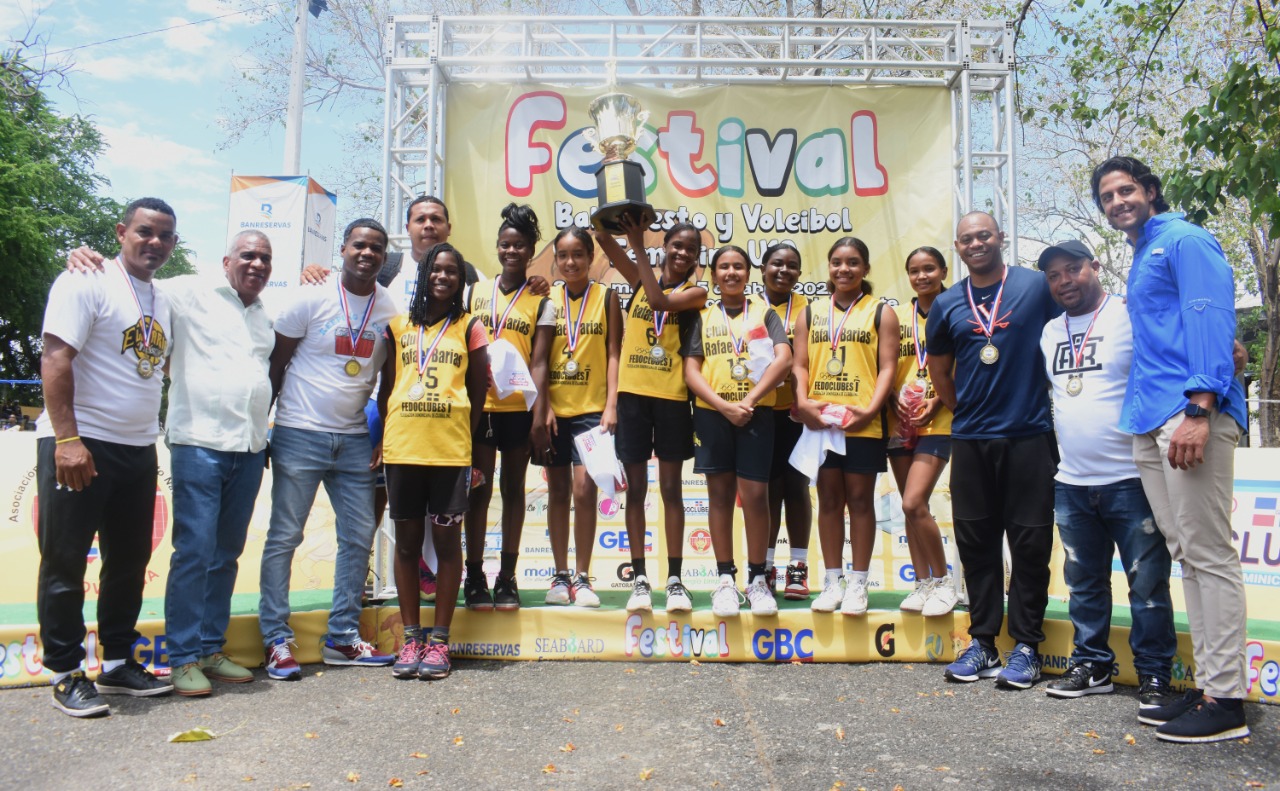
657	353
417	391
1075	385
989	354
738	372
834	366
352	368
571	367
145	368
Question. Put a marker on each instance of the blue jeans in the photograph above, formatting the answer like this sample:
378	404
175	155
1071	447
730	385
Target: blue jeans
1094	521
213	496
300	461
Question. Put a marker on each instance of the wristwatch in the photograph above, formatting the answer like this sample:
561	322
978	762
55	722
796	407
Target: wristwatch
1195	410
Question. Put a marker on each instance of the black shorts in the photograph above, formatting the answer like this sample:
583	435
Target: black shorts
415	491
504	430
862	455
649	426
564	449
930	445
721	446
786	433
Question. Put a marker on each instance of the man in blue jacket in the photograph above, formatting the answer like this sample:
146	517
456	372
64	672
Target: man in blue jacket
1186	411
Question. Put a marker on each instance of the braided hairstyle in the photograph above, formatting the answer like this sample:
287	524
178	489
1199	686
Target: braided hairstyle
420	305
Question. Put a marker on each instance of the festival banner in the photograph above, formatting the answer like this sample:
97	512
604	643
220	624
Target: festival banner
747	165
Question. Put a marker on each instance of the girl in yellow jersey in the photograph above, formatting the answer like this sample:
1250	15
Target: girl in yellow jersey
733	423
511	313
432	392
653	401
917	466
583	373
781	269
846	353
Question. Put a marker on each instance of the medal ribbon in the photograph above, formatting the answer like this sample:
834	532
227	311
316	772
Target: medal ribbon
835	331
734	339
988	326
660	316
352	335
573	329
922	356
786	322
424	358
1077	356
148	322
493	307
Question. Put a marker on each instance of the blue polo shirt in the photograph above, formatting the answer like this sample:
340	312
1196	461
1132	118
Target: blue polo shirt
1181	297
1009	398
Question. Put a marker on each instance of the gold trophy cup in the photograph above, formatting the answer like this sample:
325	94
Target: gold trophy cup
619	120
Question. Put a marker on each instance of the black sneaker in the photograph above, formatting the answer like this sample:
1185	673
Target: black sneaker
1081	679
1207	721
76	695
134	680
506	596
1154	692
475	593
1159	715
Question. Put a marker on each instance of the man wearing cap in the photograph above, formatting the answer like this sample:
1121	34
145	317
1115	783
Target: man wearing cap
1186	411
1098	498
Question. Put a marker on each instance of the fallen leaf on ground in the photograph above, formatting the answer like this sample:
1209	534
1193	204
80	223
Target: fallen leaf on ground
457	740
719	723
840	733
645	774
417	755
196	734
1092	735
896	710
949	694
1128	739
395	782
568	748
549	769
942	769
454	711
247	779
837	784
421	772
694	662
1099	752
311	735
629	670
574	712
840	700
321	673
353	777
567	719
1255	784
191	778
617	728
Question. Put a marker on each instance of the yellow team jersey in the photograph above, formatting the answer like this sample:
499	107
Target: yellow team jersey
851	380
579	379
785	395
429	416
910	323
518	329
644	371
719	360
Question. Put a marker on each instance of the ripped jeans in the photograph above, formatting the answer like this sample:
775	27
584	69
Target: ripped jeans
1093	522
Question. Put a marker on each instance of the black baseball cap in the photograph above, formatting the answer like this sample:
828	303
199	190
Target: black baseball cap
1072	247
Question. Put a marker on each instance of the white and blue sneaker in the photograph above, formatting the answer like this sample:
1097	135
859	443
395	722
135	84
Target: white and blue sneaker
1022	668
976	662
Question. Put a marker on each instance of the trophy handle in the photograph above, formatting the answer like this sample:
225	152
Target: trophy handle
641	117
590	134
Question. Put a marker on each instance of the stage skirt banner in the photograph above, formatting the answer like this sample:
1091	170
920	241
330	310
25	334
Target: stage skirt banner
567	633
747	165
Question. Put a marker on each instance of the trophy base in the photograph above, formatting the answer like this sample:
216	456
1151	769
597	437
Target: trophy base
620	187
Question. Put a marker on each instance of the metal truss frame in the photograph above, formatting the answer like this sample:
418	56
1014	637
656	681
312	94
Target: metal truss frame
973	59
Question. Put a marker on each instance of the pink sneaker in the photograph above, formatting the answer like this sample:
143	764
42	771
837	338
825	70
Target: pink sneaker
435	664
409	662
358	653
426	582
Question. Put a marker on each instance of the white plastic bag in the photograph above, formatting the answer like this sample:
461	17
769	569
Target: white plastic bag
760	353
510	373
595	449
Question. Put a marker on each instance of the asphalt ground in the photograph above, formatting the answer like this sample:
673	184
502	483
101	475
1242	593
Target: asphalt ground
587	725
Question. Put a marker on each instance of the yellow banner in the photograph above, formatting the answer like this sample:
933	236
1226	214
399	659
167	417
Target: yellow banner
747	165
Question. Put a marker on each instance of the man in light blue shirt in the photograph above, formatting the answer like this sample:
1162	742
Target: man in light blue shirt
1186	411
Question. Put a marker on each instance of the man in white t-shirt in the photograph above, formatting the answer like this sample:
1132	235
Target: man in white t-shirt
1099	501
106	339
326	360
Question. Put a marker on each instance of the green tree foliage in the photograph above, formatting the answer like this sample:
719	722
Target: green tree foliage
49	191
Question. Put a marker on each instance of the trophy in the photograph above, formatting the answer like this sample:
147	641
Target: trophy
619	120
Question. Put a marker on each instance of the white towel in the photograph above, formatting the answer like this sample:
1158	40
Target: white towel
812	449
510	372
596	450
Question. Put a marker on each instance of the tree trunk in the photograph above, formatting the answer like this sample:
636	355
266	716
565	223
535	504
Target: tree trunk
1269	381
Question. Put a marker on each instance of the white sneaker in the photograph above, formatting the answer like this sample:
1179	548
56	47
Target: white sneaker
678	599
855	598
559	591
641	596
726	601
830	598
942	599
915	599
761	598
583	595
